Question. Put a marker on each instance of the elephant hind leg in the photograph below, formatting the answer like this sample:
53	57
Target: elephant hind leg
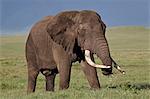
50	78
91	75
50	81
32	76
64	72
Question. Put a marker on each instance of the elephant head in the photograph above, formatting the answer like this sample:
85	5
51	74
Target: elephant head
85	30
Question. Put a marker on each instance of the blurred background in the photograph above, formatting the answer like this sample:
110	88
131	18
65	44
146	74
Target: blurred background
17	16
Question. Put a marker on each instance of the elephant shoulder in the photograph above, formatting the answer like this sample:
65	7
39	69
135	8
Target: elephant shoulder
41	25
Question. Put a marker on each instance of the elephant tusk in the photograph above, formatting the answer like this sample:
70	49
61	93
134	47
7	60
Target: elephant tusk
90	62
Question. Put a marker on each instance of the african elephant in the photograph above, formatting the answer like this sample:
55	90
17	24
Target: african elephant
55	42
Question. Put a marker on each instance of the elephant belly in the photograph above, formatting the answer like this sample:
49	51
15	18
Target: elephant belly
45	60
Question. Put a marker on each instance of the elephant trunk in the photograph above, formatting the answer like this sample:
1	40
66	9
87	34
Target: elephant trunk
102	51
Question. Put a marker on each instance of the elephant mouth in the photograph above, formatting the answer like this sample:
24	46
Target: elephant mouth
107	71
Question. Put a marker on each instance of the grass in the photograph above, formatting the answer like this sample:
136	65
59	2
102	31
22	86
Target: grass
129	47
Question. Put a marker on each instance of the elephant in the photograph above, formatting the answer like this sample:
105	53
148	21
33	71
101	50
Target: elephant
55	42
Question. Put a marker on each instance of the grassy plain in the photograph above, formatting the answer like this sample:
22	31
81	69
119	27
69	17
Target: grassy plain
130	47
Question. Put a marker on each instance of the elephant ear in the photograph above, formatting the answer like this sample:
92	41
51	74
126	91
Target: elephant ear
81	35
61	32
103	27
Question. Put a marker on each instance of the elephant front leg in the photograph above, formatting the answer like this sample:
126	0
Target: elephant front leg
91	75
65	72
63	62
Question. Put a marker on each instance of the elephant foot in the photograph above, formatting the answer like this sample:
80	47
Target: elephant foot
50	89
63	86
95	88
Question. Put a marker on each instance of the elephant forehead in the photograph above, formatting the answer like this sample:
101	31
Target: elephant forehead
89	26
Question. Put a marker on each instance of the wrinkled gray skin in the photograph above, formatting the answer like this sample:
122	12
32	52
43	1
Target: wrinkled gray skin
55	42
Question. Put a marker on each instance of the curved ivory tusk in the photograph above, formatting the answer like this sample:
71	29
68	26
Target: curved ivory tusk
90	62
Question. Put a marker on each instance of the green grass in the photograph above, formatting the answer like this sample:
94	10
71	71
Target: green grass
129	47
